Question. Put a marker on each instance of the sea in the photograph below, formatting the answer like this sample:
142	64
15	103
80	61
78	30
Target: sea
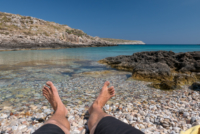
21	72
86	53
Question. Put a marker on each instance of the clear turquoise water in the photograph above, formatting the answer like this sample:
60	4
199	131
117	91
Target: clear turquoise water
92	53
24	72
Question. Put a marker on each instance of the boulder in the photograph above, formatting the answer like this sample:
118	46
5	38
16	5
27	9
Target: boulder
198	76
166	85
196	86
152	72
159	66
184	79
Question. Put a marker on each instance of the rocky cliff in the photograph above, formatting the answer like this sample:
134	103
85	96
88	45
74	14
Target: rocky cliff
17	32
168	70
120	41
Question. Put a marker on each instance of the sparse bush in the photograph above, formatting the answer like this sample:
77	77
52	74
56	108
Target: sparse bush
5	19
7	33
3	28
45	33
22	21
1	14
28	17
28	33
23	17
75	32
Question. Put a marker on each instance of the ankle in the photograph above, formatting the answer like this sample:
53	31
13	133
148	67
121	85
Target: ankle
93	107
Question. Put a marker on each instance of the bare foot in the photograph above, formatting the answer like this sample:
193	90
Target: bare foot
51	94
105	94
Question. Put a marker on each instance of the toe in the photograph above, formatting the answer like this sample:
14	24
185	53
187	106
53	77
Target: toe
112	92
52	87
110	88
46	96
47	89
49	83
106	84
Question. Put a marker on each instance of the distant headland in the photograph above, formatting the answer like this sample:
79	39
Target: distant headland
121	41
19	32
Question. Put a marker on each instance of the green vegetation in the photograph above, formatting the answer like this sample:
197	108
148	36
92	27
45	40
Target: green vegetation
44	27
7	33
75	32
31	22
45	33
28	33
6	19
28	17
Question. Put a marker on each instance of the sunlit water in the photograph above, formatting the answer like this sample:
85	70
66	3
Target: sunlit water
91	53
22	71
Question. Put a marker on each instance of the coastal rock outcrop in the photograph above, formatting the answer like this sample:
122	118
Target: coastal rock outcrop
163	67
25	32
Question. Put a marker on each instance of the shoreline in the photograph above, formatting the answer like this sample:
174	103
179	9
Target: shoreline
2	49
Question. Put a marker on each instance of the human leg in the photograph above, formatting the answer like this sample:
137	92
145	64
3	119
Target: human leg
102	123
59	117
95	111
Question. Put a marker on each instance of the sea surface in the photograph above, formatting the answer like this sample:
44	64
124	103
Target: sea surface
88	53
24	72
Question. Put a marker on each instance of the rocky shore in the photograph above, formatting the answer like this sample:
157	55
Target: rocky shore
148	109
24	32
168	70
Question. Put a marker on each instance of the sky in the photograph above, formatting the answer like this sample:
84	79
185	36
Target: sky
151	21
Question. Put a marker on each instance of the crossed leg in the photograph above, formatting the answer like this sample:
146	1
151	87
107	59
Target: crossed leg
59	117
95	111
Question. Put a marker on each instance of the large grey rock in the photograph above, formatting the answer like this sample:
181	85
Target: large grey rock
159	66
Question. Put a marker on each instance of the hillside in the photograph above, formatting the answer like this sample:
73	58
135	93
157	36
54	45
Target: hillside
17	32
121	41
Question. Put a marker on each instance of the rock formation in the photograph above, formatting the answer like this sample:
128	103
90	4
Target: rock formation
196	86
168	70
120	41
17	32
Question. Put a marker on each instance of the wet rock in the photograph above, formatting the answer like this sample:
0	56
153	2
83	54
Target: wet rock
182	79
167	85
196	86
157	66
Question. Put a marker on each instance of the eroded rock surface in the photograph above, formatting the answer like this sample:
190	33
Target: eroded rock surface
160	66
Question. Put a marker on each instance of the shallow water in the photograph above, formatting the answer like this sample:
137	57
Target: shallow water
88	53
23	73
